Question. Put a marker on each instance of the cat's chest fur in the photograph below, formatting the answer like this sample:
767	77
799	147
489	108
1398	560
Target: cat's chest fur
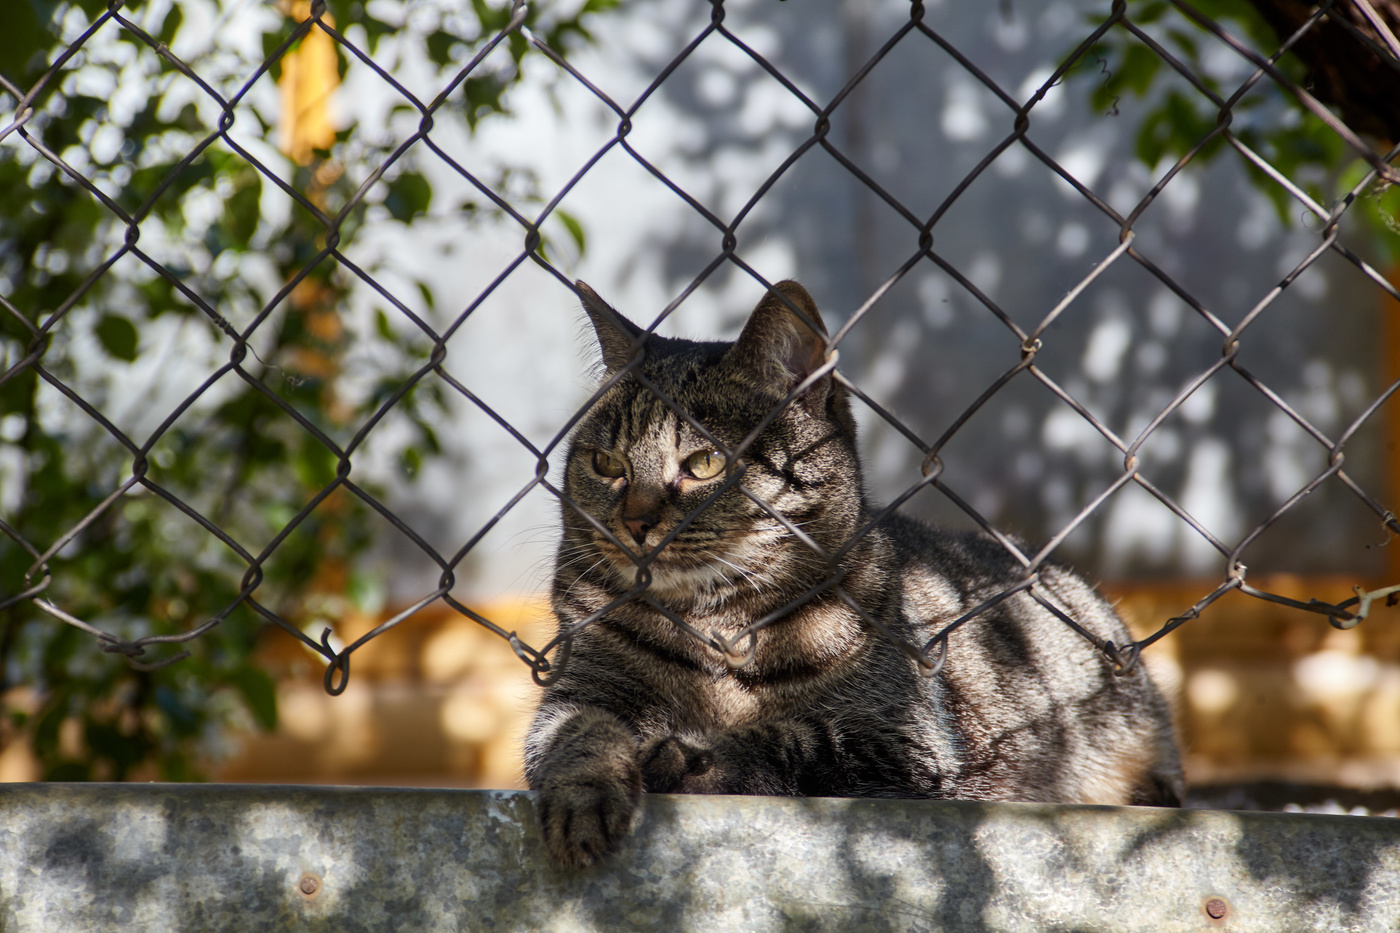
683	683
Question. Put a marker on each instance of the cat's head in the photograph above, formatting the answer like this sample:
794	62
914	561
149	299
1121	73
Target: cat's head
778	437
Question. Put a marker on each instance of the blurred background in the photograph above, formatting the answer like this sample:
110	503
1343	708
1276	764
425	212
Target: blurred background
288	340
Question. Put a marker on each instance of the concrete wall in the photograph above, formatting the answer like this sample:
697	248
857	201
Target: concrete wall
229	858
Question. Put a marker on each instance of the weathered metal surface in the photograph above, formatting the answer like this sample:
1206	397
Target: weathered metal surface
229	858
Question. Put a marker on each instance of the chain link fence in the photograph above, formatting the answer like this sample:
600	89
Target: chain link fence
53	551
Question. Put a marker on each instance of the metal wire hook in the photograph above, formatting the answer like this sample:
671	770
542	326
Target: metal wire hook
340	662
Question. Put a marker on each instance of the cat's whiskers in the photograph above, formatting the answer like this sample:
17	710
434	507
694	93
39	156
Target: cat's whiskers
569	550
579	579
751	577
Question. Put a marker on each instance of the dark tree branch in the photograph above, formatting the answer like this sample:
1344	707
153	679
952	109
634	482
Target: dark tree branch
1350	62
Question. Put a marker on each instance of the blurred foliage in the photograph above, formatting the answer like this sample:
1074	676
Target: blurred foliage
146	137
1177	117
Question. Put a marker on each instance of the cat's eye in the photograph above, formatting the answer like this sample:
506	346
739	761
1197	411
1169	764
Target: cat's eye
705	464
607	465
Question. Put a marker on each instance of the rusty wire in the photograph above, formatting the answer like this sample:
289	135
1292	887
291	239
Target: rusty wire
546	662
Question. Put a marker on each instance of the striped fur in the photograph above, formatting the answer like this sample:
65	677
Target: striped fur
1024	708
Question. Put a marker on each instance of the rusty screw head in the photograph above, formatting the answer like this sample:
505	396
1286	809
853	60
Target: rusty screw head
1216	908
309	884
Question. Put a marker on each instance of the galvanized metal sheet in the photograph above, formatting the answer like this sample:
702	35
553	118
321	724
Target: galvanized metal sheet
207	857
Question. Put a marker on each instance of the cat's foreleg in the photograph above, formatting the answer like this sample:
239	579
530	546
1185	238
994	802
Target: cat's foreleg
589	784
775	758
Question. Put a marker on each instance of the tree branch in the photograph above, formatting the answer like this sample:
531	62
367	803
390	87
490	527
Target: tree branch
1349	58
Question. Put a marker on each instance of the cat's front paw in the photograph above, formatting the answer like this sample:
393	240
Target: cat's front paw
590	787
672	765
585	818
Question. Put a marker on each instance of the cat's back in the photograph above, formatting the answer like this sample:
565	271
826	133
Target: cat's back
945	572
1034	704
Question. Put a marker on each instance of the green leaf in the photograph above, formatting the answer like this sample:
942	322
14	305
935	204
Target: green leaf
408	196
242	211
381	324
575	229
1150	12
45	740
183	720
27	35
1173	129
376	29
175	767
430	438
440	45
123	751
1139	67
483	98
367	591
1186	42
493	19
118	336
315	465
259	694
519	45
171	25
24	40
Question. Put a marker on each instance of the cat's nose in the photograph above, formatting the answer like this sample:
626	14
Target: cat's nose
639	527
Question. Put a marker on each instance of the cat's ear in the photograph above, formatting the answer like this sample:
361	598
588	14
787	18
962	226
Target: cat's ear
617	336
780	348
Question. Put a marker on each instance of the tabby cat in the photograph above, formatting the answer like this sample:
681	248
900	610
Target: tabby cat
1023	709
